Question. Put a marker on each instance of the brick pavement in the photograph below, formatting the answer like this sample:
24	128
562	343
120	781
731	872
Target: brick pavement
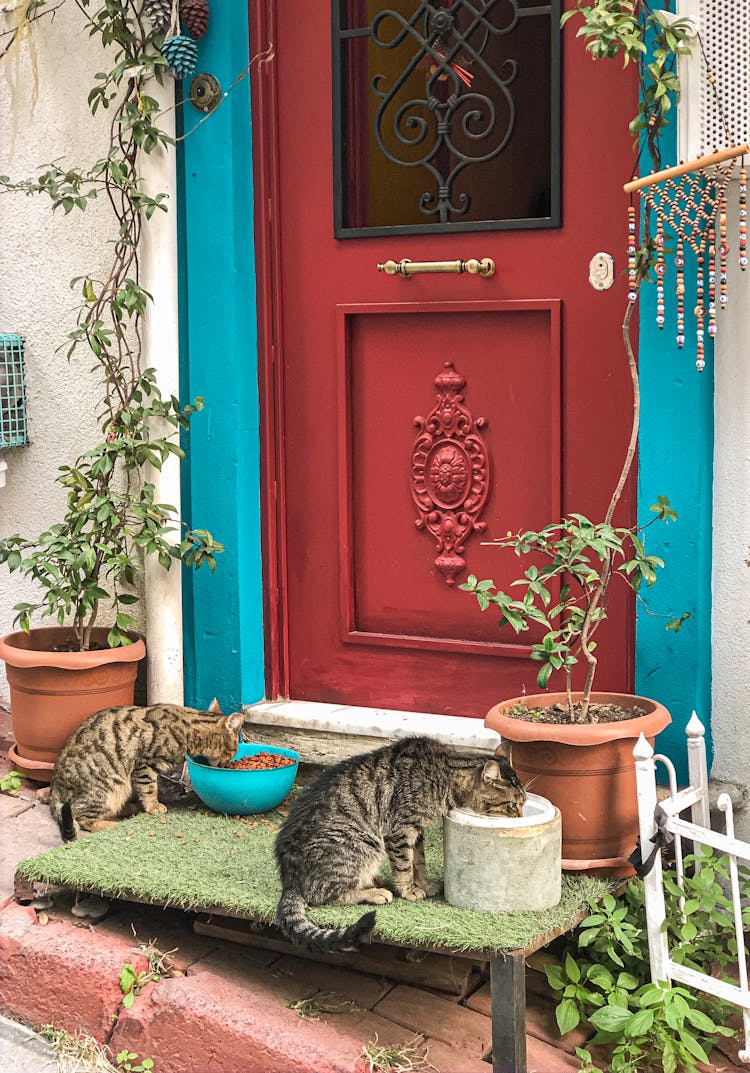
228	1008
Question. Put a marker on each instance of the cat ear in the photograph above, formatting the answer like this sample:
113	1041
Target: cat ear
491	772
214	706
505	749
235	721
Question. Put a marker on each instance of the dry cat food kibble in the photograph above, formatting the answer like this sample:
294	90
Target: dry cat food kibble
261	762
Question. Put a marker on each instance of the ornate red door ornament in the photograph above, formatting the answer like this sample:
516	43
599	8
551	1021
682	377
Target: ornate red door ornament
450	473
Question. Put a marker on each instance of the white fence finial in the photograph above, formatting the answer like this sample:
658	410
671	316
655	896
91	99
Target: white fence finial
643	749
695	729
698	774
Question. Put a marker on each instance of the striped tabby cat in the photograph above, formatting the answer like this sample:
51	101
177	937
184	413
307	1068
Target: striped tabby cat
341	828
109	766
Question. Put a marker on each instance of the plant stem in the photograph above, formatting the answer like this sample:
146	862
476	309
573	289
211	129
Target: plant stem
589	627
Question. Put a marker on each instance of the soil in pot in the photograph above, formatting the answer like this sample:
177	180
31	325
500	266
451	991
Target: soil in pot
559	715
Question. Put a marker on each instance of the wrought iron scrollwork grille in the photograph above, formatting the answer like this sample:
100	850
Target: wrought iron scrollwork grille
432	88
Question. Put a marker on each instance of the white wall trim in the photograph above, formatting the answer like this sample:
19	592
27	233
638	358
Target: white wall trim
161	351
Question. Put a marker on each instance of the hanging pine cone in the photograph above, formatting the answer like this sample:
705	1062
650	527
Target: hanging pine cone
159	12
181	53
194	17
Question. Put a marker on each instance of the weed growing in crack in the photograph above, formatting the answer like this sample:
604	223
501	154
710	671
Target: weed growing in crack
407	1057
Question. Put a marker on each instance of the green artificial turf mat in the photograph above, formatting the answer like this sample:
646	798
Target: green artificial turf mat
197	860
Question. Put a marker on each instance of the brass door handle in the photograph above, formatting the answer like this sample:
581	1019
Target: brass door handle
485	267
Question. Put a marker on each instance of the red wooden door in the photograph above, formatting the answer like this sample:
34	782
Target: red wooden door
362	603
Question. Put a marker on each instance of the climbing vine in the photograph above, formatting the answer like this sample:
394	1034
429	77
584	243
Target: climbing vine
93	555
653	40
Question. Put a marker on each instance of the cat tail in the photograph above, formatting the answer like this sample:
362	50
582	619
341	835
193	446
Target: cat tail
65	823
290	917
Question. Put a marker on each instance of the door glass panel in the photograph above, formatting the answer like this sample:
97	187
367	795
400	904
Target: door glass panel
446	115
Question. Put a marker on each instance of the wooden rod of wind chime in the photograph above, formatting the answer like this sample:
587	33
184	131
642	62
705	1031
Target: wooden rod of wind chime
683	169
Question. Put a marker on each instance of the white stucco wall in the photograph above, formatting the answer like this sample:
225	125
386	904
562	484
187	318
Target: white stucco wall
39	254
731	533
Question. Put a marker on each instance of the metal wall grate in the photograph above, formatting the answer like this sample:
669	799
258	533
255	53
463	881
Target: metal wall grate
13	425
725	32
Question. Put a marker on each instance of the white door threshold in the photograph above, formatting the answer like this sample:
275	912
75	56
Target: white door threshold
357	729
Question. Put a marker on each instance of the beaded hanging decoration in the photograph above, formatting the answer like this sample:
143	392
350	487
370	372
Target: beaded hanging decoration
689	202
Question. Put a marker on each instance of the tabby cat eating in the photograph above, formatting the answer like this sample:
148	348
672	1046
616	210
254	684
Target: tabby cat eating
374	805
109	766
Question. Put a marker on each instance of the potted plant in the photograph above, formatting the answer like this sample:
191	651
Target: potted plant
87	565
577	746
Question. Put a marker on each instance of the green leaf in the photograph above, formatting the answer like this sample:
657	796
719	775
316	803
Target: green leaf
571	969
128	1000
700	1021
600	976
640	1023
543	676
567	1016
669	1058
614	956
554	976
689	931
691	1044
610	1018
128	977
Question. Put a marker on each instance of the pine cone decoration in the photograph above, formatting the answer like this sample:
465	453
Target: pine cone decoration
194	17
159	12
181	53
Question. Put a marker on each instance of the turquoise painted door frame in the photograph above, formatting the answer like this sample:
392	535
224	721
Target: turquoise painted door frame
676	460
222	612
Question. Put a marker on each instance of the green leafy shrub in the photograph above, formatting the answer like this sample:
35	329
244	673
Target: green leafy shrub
581	558
604	977
11	783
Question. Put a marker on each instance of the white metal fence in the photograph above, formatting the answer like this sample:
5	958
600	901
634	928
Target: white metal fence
666	817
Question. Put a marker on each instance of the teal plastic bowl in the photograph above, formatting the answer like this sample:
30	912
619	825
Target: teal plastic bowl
238	792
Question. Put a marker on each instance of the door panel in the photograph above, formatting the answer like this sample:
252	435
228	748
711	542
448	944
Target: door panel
359	607
388	367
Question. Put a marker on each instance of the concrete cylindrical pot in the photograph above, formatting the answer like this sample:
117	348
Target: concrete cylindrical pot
52	690
500	864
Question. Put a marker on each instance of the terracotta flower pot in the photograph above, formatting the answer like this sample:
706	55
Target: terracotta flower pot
587	770
53	692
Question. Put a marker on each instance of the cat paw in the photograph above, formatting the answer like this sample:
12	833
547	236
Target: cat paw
156	809
412	894
430	889
379	896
